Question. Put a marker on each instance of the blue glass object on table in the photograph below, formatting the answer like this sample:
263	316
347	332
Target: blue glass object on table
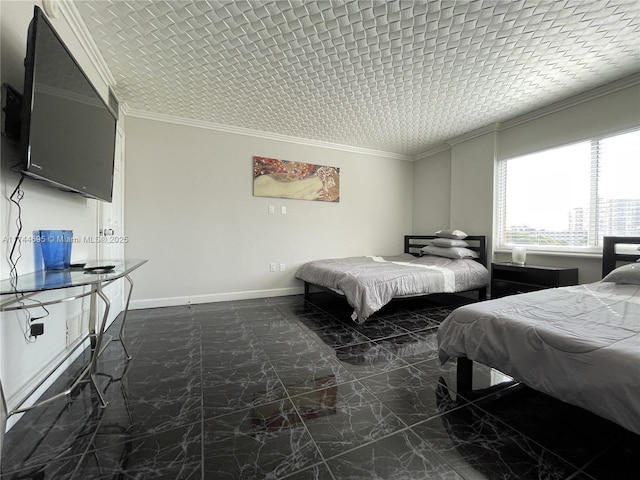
55	246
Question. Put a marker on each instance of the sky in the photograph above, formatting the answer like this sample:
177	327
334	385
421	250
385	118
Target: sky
544	197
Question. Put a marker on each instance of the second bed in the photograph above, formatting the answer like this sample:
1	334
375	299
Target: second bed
370	282
579	344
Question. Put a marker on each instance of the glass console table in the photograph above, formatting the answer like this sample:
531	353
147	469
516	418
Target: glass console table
20	294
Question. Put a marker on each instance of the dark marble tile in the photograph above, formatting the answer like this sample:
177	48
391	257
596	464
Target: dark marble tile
295	308
578	436
165	344
412	347
289	387
310	371
267	441
48	433
217	308
286	300
152	397
253	309
410	394
235	353
160	406
240	388
410	322
340	336
319	471
315	319
82	440
166	455
479	445
399	456
369	358
278	325
294	345
437	315
344	416
619	460
224	322
381	328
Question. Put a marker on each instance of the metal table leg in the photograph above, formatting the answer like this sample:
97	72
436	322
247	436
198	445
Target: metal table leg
95	351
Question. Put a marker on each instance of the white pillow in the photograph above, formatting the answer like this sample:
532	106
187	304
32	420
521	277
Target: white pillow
627	274
448	242
449	252
457	234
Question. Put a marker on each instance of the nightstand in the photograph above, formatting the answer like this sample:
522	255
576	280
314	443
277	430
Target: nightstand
508	278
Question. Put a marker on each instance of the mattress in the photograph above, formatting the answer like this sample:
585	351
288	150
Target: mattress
580	344
370	282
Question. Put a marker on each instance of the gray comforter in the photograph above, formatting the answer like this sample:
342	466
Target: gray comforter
579	344
371	282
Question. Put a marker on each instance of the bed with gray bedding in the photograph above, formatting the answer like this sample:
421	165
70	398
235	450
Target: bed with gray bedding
370	282
580	344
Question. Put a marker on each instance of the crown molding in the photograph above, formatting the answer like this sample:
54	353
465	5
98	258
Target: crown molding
478	132
73	18
494	127
160	117
124	109
432	151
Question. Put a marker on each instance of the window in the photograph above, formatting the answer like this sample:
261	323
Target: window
568	198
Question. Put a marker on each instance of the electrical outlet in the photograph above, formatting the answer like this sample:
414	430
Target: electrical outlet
272	209
282	267
272	267
283	210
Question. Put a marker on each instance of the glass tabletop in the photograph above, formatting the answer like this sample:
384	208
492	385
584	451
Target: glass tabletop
44	280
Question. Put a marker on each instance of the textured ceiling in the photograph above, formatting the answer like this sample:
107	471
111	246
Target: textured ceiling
396	76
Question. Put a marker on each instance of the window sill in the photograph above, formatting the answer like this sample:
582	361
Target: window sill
555	253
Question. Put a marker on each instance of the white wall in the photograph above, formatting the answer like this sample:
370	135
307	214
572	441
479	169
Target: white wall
190	210
469	178
432	193
472	178
22	364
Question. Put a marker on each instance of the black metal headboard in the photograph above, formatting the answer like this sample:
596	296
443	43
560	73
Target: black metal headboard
610	257
477	243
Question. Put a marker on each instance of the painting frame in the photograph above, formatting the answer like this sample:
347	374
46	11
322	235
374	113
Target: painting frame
276	178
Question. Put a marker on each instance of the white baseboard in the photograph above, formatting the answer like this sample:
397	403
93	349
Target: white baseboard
213	297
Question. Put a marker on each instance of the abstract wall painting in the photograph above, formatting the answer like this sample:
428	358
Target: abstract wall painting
297	180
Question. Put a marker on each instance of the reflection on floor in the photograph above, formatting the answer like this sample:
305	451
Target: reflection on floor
288	388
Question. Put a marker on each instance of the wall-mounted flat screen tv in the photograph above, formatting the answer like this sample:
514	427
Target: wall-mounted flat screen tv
68	131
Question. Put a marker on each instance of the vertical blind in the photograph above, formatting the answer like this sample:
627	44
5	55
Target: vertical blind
571	196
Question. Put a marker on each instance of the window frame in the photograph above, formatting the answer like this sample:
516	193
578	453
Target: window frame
589	250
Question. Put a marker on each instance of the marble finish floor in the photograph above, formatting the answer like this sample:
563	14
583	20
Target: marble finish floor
288	388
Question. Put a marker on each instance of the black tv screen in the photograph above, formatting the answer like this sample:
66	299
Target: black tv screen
68	131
